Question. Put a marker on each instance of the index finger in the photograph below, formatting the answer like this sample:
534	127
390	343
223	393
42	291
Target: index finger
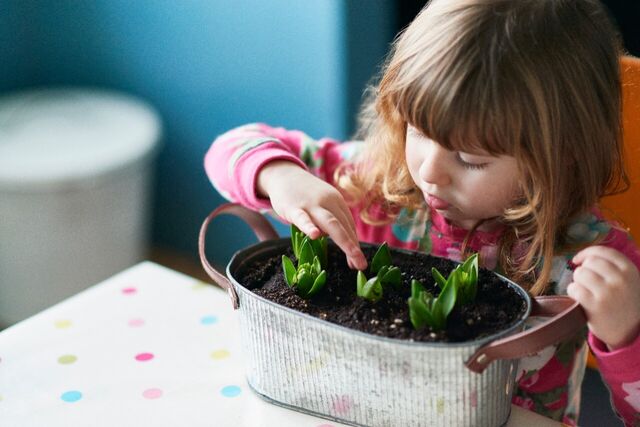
610	254
303	221
347	242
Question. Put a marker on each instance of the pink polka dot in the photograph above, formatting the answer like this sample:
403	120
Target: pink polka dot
143	357
152	393
129	291
134	323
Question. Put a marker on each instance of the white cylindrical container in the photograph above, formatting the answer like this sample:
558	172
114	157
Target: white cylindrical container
75	192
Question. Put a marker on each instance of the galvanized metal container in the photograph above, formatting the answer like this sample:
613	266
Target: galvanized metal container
313	366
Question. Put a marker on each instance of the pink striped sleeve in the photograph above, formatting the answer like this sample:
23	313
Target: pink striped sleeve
236	157
620	369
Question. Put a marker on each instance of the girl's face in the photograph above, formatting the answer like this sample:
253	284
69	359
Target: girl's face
463	187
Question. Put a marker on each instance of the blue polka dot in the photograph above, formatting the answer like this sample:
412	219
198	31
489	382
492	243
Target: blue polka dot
209	320
71	396
230	391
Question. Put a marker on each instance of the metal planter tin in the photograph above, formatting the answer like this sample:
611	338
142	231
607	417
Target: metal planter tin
313	366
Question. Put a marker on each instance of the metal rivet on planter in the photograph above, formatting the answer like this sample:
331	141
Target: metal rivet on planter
482	359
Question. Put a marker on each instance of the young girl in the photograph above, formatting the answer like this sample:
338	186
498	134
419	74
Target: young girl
495	128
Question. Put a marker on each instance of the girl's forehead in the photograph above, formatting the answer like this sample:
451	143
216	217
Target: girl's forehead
467	142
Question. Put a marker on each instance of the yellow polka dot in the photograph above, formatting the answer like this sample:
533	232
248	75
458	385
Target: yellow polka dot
67	359
199	285
63	323
440	406
220	354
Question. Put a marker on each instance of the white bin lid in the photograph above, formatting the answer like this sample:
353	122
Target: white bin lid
56	137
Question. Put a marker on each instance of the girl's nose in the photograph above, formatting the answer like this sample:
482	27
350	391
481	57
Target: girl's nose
434	168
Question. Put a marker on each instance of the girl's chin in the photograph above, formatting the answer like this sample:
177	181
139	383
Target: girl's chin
488	226
453	217
450	216
464	224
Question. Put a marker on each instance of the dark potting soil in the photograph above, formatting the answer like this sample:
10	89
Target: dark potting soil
496	307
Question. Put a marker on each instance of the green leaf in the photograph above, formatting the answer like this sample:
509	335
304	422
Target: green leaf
418	313
425	309
416	288
316	266
372	290
467	293
323	251
381	258
319	247
448	295
306	252
468	279
383	270
318	284
289	270
422	313
470	264
305	267
439	318
296	240
472	287
428	299
393	277
305	282
463	276
440	280
360	282
473	278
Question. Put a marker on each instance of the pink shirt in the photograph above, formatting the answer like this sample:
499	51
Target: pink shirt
549	382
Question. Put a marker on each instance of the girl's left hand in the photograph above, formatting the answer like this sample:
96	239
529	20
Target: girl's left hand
607	285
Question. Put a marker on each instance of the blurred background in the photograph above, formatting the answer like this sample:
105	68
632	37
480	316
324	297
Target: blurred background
198	68
142	88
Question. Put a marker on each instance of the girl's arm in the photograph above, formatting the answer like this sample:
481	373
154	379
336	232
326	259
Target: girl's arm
607	284
620	369
263	167
236	157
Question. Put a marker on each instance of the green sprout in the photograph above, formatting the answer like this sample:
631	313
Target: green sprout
459	288
381	258
371	289
385	274
319	246
309	277
465	277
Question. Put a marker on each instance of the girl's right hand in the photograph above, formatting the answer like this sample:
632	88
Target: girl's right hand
313	205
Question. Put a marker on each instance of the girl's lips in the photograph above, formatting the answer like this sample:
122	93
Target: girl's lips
436	203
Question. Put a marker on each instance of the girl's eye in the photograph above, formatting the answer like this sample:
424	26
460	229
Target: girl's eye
468	165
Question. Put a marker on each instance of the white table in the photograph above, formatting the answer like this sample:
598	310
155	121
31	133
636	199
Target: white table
147	347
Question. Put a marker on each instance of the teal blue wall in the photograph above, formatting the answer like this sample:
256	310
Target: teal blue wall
206	66
14	60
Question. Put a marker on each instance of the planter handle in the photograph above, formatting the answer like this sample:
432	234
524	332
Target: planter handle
258	223
568	319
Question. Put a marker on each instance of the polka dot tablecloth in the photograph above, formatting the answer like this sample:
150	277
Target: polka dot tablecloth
147	347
